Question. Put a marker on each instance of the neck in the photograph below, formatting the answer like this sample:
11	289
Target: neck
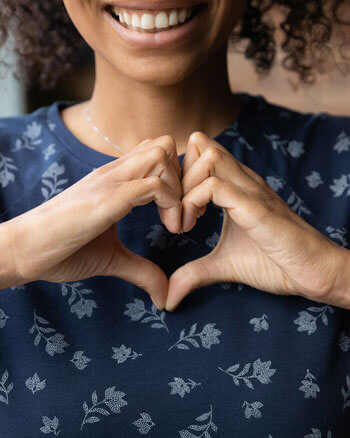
133	111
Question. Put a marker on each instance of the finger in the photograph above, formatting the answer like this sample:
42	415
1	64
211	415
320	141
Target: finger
144	141
221	192
168	143
143	191
213	162
257	212
150	161
197	143
141	272
193	275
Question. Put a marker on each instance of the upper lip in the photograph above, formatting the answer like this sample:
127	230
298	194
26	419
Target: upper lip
155	5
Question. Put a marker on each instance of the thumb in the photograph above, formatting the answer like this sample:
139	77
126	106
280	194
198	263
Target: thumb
141	272
192	275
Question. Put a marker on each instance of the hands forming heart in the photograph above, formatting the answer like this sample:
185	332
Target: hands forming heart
263	243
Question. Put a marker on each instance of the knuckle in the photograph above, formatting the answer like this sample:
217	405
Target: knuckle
159	154
197	137
213	154
213	182
155	182
167	140
261	203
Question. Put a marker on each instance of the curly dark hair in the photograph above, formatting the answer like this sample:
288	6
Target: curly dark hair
47	42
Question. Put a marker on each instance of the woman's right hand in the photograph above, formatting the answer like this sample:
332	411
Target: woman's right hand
73	235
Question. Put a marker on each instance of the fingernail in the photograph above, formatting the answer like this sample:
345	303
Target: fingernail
170	308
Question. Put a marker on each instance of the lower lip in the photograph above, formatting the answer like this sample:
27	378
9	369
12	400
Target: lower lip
164	38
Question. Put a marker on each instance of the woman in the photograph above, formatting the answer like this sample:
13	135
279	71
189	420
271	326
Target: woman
258	345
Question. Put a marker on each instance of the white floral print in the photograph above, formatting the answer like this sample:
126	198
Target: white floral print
293	147
81	307
343	143
79	360
316	433
233	132
144	423
260	324
308	322
123	353
252	410
49	150
55	343
7	168
261	371
314	179
5	389
340	185
346	393
203	429
137	311
225	357
34	383
50	178
18	287
113	400
52	126
309	387
3	319
297	204
208	336
212	240
344	341
180	387
275	182
30	137
338	234
50	426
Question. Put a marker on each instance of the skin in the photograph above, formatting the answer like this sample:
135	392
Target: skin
161	88
141	95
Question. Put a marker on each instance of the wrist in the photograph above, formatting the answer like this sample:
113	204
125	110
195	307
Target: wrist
9	275
340	294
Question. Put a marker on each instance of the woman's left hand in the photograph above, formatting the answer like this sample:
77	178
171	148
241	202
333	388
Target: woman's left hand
263	242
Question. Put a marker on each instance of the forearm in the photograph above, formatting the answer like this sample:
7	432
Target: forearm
8	269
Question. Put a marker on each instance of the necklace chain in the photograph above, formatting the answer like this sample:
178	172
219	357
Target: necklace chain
97	129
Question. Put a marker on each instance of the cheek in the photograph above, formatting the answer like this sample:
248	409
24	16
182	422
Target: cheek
87	18
225	17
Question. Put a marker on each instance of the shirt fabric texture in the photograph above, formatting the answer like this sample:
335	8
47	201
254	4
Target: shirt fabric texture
94	358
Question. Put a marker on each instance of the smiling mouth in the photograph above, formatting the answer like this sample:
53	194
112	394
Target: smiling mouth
154	21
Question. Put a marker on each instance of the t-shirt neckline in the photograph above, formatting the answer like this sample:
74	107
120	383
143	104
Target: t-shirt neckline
95	158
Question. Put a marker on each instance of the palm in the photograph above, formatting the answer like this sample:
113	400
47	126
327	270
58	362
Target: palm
241	260
92	259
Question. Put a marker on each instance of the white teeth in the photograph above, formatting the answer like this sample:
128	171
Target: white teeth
173	18
147	21
127	18
135	21
182	15
162	20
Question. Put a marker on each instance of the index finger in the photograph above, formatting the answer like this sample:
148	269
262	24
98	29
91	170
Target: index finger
168	143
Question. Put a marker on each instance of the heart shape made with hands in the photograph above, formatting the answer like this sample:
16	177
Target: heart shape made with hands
296	260
200	177
208	170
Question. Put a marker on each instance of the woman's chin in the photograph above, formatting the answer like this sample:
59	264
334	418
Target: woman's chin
157	73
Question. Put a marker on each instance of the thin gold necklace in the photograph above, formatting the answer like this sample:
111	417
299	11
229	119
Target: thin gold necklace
96	129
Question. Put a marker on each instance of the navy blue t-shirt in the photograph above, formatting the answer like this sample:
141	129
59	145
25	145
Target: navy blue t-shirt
94	358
